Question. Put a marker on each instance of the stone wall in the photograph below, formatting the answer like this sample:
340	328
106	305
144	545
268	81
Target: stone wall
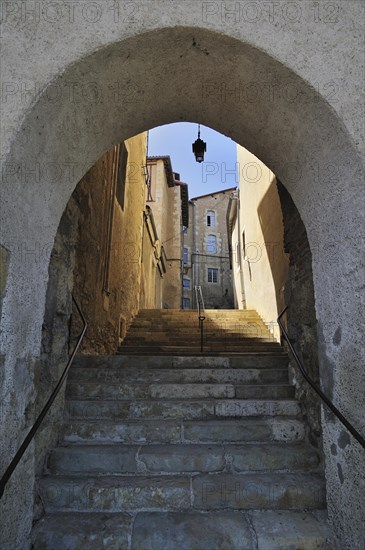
216	295
301	315
259	231
166	207
107	275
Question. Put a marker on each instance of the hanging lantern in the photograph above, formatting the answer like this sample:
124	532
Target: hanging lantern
199	148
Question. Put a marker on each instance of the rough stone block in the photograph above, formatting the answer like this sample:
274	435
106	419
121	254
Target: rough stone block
191	531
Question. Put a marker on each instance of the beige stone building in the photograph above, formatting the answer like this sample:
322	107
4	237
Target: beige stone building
206	252
168	212
122	234
255	219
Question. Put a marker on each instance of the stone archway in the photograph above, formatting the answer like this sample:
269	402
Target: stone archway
163	76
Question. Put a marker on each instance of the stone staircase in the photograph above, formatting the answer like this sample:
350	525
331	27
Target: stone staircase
175	452
175	331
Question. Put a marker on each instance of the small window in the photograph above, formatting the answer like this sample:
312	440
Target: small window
185	230
186	283
212	244
186	256
211	218
186	303
122	174
212	275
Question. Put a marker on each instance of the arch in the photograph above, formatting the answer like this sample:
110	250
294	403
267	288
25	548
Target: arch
185	74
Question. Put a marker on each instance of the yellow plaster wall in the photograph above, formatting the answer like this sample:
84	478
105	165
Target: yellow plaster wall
265	263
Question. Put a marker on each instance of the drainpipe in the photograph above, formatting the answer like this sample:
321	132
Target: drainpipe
243	301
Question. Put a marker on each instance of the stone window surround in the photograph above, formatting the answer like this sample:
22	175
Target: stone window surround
215	272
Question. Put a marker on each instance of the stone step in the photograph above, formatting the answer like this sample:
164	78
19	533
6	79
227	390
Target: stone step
172	340
188	409
259	491
253	328
155	348
185	352
264	391
229	530
274	491
97	390
166	459
82	531
280	429
153	362
265	530
239	344
194	332
194	312
203	375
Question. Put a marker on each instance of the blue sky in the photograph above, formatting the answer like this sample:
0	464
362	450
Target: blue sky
220	159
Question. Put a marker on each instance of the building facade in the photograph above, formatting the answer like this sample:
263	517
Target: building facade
259	262
167	202
206	252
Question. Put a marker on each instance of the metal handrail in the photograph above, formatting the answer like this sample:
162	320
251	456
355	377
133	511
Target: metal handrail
316	388
13	464
201	313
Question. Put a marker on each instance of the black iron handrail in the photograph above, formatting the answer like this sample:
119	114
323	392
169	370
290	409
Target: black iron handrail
316	388
201	314
13	464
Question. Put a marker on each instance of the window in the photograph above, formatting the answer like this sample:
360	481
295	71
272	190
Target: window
185	230
212	244
186	283
186	255
212	275
122	174
186	303
211	218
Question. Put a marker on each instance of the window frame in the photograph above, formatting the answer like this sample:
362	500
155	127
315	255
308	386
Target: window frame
186	279
213	271
186	249
211	215
208	245
186	303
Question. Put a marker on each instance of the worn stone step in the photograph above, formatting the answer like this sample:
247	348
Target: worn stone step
267	391
293	491
138	375
187	312
96	390
142	352
247	429
114	493
221	327
193	350
181	362
160	459
195	339
188	431
231	530
82	531
223	332
243	491
226	530
129	431
188	409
